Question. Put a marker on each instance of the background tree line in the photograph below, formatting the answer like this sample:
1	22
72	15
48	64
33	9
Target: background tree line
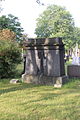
56	21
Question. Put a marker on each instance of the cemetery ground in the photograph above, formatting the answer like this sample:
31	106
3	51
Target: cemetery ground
23	101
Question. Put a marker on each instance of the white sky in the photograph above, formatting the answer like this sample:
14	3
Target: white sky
28	10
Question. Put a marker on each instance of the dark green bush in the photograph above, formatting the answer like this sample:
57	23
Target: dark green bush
10	56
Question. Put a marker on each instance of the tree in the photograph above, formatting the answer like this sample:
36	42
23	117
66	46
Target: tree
77	35
56	21
7	35
76	38
11	22
10	53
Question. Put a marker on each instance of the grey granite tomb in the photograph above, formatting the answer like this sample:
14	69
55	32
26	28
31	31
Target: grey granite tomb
44	62
73	71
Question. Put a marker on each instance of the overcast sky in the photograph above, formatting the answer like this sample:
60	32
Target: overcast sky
28	10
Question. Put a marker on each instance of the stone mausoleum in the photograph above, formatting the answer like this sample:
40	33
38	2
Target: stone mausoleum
44	61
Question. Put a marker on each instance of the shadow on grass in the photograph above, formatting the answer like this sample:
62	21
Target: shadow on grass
54	102
6	88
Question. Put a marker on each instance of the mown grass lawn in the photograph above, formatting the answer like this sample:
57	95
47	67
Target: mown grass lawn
36	102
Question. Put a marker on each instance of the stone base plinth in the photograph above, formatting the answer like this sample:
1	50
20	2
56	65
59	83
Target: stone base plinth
73	71
45	80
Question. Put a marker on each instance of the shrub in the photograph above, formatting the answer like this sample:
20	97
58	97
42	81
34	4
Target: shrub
10	56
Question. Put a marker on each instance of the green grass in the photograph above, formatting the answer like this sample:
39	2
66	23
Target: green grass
23	101
36	102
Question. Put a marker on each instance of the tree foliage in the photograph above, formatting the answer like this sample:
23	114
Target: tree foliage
10	54
77	35
11	22
7	34
55	21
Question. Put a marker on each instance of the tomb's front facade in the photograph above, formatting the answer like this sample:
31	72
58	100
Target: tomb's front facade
44	63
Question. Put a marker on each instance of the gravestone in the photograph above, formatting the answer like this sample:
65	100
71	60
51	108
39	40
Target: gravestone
14	81
44	61
73	70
